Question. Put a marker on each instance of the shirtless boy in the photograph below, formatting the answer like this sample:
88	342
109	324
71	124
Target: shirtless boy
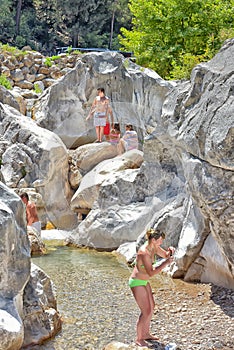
31	213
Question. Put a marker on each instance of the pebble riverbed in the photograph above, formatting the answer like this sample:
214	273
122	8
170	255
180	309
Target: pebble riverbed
97	306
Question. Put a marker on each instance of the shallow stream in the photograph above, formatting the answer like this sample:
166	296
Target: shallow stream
92	296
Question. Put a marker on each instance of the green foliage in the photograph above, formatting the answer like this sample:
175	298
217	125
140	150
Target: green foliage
20	41
9	49
164	31
23	171
126	63
183	70
48	62
54	58
5	82
6	21
37	89
69	50
45	25
76	52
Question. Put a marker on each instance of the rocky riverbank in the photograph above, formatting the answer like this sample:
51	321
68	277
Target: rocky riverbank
193	316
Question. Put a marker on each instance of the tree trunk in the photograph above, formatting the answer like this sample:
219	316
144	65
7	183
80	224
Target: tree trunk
17	17
112	23
112	29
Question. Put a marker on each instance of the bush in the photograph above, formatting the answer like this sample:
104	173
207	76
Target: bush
54	58
5	82
20	41
183	69
48	62
37	89
69	50
10	49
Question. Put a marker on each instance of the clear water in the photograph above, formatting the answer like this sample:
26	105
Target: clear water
93	298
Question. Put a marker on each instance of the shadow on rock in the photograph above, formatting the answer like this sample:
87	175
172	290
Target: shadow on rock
224	298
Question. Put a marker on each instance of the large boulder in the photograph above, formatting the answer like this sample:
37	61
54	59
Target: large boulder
14	268
136	96
40	317
107	173
28	312
185	184
8	98
37	158
198	119
86	157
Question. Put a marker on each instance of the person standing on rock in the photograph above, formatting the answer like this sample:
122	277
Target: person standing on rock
100	111
31	213
139	281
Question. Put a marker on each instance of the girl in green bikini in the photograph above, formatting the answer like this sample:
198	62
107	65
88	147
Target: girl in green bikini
139	281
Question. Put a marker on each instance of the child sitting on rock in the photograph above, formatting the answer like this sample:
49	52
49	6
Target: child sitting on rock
114	135
129	140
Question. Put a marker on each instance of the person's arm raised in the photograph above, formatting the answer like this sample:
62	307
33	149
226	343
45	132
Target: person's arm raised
150	270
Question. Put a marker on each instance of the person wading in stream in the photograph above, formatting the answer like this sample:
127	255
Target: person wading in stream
139	281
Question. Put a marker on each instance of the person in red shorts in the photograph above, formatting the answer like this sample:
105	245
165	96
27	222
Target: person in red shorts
108	125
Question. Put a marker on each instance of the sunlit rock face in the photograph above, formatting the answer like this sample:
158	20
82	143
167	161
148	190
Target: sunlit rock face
28	310
198	119
136	96
41	319
185	184
14	268
6	97
35	157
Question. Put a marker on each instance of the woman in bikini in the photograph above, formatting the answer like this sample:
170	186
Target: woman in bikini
139	281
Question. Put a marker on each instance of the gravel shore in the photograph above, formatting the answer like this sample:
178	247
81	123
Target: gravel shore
193	316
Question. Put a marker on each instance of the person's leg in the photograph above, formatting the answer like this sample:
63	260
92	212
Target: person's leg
97	132
120	147
152	305
141	296
101	133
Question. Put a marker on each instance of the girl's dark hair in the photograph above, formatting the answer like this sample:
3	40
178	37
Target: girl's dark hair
116	126
129	126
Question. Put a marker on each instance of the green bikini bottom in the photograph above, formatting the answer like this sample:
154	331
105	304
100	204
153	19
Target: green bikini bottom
133	282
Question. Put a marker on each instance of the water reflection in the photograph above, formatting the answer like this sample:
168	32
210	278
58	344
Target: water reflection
93	298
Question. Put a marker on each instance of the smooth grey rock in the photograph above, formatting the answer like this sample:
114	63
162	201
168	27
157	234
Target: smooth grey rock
8	98
107	173
136	96
40	316
39	158
14	268
86	157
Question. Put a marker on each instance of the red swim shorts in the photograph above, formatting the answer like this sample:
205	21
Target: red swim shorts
107	129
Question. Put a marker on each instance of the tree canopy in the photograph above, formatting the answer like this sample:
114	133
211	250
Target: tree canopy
44	25
171	36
